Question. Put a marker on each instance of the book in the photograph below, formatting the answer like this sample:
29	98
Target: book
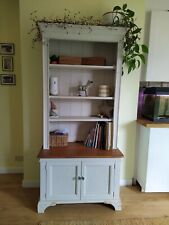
108	135
97	135
100	136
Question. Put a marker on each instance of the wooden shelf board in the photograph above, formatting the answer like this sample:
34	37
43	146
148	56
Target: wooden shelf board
151	124
78	150
81	97
91	67
77	118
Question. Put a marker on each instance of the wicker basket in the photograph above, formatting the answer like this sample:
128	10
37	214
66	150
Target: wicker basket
57	140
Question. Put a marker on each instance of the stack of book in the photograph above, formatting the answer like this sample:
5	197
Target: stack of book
101	136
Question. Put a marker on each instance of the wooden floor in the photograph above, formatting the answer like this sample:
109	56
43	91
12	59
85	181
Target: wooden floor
18	205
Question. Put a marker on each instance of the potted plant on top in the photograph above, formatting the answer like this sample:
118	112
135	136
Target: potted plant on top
133	52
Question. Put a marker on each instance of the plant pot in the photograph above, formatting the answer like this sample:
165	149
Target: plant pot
111	18
107	18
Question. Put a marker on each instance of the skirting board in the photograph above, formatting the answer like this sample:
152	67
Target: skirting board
34	184
30	184
11	170
126	182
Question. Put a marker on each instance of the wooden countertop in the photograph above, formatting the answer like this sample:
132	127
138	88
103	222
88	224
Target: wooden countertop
151	124
79	151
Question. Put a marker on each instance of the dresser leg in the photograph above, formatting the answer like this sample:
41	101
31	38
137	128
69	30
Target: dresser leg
116	203
42	205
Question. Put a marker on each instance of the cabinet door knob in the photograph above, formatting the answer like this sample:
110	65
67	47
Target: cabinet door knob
80	178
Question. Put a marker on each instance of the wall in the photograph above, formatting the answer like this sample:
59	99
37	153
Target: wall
32	82
10	96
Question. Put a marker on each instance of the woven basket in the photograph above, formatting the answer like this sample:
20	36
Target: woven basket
57	140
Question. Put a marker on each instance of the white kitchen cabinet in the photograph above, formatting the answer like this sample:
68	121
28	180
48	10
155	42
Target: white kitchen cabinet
157	66
152	167
79	180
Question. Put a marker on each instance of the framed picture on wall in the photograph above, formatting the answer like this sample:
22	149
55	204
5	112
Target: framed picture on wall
8	79
7	49
7	63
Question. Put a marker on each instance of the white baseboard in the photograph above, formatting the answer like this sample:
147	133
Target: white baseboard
35	184
125	182
11	170
30	184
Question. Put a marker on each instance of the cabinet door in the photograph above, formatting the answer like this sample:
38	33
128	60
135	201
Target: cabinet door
97	179
158	57
62	180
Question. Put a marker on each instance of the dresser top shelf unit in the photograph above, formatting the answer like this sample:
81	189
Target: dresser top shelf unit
78	118
79	41
90	67
76	150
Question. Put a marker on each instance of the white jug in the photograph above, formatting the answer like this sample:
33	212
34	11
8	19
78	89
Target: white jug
53	86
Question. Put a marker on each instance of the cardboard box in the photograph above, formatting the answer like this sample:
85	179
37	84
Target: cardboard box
70	60
98	61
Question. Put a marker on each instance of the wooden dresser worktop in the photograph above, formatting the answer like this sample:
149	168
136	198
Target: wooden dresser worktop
79	151
151	124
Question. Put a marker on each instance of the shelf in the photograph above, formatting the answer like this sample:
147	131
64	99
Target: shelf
77	118
77	150
81	97
91	67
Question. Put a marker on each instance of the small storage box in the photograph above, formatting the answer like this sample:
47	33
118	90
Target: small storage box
98	61
58	140
70	60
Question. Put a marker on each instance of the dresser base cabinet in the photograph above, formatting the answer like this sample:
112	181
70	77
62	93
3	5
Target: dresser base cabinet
79	180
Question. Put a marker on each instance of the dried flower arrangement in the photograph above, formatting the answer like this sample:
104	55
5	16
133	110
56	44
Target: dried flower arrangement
68	18
133	52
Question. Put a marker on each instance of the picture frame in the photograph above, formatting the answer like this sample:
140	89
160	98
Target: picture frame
7	49
7	79
7	63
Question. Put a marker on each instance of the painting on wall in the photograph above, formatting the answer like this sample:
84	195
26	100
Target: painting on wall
8	79
7	49
7	63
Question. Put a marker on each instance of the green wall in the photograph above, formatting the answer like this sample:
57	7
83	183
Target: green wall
10	96
31	71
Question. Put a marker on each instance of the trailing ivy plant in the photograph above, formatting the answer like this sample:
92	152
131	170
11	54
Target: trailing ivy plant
133	52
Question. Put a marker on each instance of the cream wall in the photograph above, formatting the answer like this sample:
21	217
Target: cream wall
31	63
10	96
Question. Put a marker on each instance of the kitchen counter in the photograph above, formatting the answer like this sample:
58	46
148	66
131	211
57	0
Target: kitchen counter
151	124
